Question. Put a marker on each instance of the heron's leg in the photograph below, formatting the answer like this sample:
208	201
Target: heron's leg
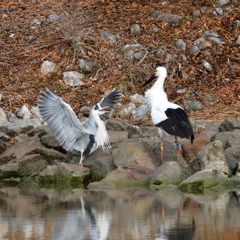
163	213
81	159
177	149
161	150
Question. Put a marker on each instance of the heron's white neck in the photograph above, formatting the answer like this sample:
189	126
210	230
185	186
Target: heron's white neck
101	136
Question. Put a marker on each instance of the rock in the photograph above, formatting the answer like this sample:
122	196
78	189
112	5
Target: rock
82	51
219	11
36	113
223	137
196	13
102	167
85	111
117	136
138	55
180	44
191	150
208	34
11	117
203	9
3	117
155	30
135	29
133	152
238	40
229	125
170	57
238	23
22	167
28	147
108	37
50	141
201	180
223	2
213	159
137	98
36	21
47	67
20	138
193	106
233	139
202	44
181	91
54	18
127	110
30	38
14	129
141	110
100	186
24	112
73	78
233	152
65	173
117	125
168	173
207	65
131	47
194	50
129	176
4	137
2	146
217	40
86	65
173	20
232	164
39	131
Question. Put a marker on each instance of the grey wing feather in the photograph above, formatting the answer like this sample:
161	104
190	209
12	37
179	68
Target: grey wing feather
61	119
110	100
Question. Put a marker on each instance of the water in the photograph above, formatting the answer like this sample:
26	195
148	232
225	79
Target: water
129	214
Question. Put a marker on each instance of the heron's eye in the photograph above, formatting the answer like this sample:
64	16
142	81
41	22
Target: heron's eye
96	107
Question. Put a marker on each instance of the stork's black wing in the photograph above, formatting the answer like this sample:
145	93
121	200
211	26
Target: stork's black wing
109	101
177	123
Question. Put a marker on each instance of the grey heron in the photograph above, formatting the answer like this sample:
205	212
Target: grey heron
69	131
169	117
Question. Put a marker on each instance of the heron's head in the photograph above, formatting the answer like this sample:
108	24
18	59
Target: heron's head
160	72
101	110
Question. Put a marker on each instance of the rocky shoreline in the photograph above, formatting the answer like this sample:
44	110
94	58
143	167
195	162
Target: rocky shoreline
30	153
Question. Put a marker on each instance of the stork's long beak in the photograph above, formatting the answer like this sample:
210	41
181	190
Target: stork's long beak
102	109
150	79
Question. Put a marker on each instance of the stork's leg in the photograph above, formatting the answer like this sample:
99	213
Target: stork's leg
81	159
177	149
161	150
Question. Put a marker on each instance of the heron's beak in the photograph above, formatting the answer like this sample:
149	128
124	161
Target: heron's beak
102	109
150	79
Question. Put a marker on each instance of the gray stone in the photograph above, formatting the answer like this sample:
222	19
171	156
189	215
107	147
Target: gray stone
131	47
3	117
168	173
238	23
14	129
82	51
47	67
135	29
4	137
85	110
20	138
223	137
141	110
207	65
173	20
193	105
24	112
65	173
73	78
127	110
54	18
194	50
50	141
108	37
2	146
129	176
22	167
229	125
196	13
115	125
155	30
30	38
219	11
213	159
223	2
11	117
133	152
86	65
36	113
36	21
138	55
180	44
233	139
203	9
117	136
100	186
238	40
217	40
39	131
233	152
208	34
201	43
181	91
170	56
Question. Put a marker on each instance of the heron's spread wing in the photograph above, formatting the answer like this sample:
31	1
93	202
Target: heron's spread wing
61	119
109	101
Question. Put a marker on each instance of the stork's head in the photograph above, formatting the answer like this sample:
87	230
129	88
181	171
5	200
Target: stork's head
160	72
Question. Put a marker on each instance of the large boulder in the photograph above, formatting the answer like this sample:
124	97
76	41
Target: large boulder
223	137
233	152
24	166
168	173
28	147
229	125
131	175
64	173
213	159
133	152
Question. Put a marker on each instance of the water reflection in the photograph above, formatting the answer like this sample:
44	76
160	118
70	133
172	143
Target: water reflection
127	214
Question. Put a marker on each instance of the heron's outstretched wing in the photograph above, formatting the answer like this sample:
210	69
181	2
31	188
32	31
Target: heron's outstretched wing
61	119
109	101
